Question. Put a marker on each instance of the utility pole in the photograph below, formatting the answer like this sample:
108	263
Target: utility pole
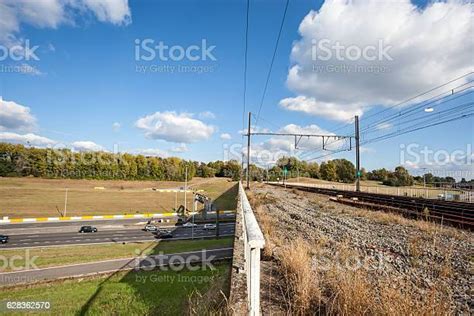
357	141
65	203
185	187
217	224
248	152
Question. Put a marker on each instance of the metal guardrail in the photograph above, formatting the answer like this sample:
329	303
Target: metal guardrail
253	243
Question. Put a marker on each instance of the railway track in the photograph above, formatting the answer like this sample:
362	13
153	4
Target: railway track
457	214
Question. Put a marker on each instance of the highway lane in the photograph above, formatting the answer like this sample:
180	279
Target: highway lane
108	236
64	227
110	266
73	226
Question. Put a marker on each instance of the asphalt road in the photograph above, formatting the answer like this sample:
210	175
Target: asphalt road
64	227
101	224
84	269
106	236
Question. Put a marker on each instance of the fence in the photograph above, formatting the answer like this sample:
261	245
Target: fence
253	243
447	194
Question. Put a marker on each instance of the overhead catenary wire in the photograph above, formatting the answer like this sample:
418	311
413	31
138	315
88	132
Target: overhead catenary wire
272	61
438	98
418	95
245	63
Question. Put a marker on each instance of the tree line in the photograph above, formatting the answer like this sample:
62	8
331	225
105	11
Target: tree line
21	161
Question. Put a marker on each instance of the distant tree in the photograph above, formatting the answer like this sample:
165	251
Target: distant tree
313	170
400	177
345	170
328	171
378	175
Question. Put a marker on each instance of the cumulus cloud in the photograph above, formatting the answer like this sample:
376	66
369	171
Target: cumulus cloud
52	13
85	145
155	152
14	116
180	149
415	49
116	126
112	11
26	139
226	136
270	150
207	115
174	127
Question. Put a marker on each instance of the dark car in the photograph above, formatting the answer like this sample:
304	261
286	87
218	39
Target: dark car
163	234
3	239
88	229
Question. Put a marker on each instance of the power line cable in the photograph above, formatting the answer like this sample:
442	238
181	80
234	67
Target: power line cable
418	95
272	61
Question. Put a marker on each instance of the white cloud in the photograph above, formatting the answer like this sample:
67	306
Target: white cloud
226	136
156	152
383	126
270	150
14	116
310	106
206	115
52	13
112	11
84	145
180	149
254	129
116	126
174	127
427	46
26	139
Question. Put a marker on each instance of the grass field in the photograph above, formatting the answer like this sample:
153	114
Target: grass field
35	197
56	256
124	293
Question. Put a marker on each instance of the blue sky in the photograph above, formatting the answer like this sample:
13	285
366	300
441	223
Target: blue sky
86	79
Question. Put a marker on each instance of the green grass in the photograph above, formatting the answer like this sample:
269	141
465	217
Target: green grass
186	245
125	293
55	256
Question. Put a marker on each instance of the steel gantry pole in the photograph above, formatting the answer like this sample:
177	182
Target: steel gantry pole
357	153
248	152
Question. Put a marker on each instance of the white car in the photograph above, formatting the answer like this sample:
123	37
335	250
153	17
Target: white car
189	224
150	228
209	226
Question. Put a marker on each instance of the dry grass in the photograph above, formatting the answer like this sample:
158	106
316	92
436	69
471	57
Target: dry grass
351	293
214	301
343	289
35	197
301	283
